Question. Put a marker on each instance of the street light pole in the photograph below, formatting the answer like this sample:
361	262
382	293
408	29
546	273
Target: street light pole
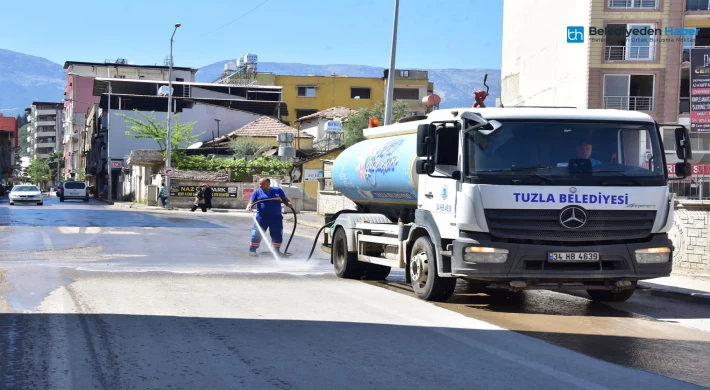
109	196
170	109
390	75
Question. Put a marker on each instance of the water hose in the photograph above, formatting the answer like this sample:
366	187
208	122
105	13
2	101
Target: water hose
295	220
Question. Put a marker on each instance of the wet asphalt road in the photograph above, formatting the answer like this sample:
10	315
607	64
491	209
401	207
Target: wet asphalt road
94	296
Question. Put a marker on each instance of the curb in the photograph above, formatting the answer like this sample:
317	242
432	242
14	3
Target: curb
692	297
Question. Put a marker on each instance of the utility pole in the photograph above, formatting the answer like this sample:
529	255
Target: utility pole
218	120
108	146
170	109
390	75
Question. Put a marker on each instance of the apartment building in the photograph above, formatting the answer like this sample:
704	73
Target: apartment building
44	131
79	96
612	54
8	145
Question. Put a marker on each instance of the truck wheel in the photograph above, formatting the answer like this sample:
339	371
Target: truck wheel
611	296
422	269
345	263
376	271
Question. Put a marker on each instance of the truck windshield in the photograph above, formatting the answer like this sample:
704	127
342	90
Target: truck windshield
588	153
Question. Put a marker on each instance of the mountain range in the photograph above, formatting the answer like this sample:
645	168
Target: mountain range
25	78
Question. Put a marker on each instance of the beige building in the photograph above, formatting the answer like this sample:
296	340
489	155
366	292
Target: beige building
562	63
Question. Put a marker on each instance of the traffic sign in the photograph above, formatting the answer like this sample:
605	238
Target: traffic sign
167	171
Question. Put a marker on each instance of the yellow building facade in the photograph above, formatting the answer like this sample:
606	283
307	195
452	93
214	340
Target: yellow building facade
306	95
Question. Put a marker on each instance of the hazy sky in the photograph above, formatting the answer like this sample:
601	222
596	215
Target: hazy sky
431	34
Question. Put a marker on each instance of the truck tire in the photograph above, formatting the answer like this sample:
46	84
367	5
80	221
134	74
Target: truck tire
345	263
376	271
611	296
427	284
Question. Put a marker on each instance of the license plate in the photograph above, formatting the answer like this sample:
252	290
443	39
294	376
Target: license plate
573	256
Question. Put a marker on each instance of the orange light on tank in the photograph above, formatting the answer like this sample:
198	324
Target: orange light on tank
374	122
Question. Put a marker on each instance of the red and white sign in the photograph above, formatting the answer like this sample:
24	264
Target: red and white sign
247	190
116	164
695	170
167	171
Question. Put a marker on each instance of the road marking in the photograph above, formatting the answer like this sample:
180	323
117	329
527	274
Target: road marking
93	230
47	241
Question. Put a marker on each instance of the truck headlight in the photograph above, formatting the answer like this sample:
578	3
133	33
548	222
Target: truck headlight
653	255
479	254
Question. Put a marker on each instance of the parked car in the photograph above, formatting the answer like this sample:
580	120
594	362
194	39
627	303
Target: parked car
26	194
73	190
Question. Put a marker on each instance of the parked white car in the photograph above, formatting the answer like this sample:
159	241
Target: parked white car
26	194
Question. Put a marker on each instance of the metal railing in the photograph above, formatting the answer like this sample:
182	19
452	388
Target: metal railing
633	4
697	5
633	53
686	51
632	103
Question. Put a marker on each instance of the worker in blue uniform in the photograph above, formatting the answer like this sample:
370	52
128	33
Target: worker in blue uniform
268	214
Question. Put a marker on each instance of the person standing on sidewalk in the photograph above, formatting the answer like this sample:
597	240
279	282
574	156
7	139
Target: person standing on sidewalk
163	194
208	196
268	214
199	200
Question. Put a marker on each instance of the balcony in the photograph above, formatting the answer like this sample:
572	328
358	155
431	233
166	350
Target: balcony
631	103
697	5
626	53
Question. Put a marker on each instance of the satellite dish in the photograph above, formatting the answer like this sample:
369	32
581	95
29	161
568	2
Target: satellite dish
296	174
196	145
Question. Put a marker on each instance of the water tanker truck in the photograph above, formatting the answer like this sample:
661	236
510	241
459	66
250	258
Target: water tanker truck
509	199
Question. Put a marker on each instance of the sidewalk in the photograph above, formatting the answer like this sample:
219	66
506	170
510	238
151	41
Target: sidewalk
686	288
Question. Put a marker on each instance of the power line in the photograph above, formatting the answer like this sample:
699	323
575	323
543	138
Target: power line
247	13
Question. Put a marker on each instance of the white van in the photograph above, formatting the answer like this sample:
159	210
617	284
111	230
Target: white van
74	190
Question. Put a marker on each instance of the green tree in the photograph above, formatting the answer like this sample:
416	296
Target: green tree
21	120
247	146
55	157
24	143
355	123
39	171
150	128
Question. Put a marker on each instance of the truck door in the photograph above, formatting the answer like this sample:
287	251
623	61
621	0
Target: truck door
438	193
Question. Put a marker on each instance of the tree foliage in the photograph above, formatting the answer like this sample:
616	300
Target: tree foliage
247	146
265	165
149	128
39	171
353	126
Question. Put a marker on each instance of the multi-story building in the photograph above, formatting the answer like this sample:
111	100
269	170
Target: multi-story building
79	96
307	95
612	54
8	145
44	130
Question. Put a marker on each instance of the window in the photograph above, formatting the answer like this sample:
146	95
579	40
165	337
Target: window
404	73
359	93
697	5
179	79
634	4
302	113
629	92
406	94
306	91
630	42
447	145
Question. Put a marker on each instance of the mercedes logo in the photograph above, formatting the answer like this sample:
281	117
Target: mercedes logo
573	217
573	190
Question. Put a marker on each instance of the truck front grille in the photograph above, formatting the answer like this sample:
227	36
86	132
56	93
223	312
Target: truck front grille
544	225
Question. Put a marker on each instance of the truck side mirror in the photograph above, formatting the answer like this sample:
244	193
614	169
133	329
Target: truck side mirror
682	144
425	141
424	167
682	169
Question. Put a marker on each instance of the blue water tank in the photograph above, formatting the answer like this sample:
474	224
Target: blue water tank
379	172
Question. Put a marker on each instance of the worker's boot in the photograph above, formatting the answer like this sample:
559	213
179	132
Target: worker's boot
252	252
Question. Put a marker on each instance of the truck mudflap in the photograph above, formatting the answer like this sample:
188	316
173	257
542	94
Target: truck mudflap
534	264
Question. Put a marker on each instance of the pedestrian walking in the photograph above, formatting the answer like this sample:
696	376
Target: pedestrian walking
208	196
268	215
199	200
163	194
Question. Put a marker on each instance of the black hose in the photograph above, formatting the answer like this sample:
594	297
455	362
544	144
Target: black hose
313	248
295	220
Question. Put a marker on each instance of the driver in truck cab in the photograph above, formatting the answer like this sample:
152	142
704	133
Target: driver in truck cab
584	151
